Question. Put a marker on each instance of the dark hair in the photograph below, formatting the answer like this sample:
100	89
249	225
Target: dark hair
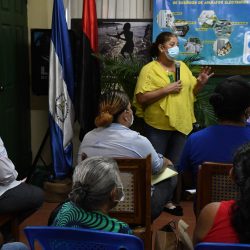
111	105
160	39
126	26
231	98
240	211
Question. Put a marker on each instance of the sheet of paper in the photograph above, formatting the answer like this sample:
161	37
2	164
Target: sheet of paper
167	173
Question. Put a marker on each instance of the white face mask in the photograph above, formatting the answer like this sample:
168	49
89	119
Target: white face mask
173	52
120	194
247	114
132	120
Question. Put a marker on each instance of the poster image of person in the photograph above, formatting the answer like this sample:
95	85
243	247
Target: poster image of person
119	38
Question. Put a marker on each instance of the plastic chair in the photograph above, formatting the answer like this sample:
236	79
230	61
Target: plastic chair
221	246
67	238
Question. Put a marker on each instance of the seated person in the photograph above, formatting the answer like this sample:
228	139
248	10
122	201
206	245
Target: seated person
229	221
97	188
16	196
114	138
217	143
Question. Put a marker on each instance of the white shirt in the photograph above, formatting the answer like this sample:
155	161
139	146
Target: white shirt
8	173
117	140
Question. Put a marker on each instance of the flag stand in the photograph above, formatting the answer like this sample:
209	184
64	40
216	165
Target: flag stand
38	156
55	190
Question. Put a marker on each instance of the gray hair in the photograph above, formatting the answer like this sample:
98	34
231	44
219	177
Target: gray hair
93	181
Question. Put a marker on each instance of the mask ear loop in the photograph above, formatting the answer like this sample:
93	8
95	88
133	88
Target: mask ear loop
247	113
161	48
122	195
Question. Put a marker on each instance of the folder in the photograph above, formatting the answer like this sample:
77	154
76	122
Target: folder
167	173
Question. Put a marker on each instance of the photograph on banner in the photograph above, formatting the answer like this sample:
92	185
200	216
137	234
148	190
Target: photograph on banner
218	30
125	37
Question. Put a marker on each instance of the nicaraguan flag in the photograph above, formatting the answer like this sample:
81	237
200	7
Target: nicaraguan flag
61	92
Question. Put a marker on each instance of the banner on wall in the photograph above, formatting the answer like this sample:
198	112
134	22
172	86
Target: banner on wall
217	30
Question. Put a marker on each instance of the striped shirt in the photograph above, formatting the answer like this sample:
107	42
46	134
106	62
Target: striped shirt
70	215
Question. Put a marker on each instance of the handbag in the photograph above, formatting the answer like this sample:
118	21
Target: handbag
173	236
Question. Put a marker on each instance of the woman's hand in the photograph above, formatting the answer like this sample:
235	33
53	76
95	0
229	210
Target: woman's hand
174	88
150	97
202	79
204	75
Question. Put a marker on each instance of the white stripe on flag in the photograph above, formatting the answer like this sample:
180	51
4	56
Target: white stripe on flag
61	93
60	104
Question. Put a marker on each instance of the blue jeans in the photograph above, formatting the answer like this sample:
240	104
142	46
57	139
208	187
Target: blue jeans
170	144
166	142
14	246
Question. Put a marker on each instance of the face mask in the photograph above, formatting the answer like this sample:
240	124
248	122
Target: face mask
247	114
173	52
132	120
120	194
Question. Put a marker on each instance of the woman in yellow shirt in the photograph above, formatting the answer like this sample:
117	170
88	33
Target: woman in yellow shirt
166	104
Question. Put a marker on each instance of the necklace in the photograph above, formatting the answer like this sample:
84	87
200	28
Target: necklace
170	74
167	69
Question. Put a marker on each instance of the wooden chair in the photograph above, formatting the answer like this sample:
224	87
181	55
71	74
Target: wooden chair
214	184
136	208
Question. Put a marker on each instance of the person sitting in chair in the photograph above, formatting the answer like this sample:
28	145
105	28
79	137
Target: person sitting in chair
97	188
114	138
217	143
229	221
16	196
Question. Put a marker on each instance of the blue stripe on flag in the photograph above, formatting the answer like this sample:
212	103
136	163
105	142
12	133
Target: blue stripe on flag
62	162
61	41
61	92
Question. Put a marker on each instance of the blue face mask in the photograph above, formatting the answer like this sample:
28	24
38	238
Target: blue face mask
172	52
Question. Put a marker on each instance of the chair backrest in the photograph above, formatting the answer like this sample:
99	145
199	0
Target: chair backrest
221	246
136	208
214	184
58	238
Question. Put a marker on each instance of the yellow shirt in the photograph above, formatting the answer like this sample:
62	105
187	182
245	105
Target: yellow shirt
174	111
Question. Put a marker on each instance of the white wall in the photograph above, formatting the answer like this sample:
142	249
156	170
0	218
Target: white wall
39	16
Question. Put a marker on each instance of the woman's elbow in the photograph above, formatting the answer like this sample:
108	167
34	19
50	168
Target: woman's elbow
141	99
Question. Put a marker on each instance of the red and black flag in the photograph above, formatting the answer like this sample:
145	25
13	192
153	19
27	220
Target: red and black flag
88	89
